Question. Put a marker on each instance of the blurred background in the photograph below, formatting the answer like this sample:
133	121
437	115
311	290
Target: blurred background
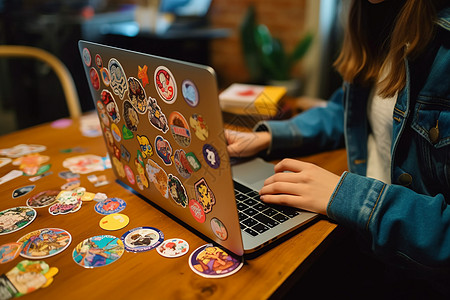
210	32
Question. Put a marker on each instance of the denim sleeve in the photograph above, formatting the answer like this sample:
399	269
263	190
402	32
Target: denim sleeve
317	129
402	226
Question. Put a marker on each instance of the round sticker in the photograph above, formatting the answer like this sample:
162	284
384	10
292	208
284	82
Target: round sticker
197	211
130	116
116	132
214	262
104	74
110	106
165	84
119	83
110	206
211	156
190	93
173	248
44	243
98	251
9	251
98	61
16	218
43	199
95	80
179	129
142	239
87	57
114	221
137	95
219	229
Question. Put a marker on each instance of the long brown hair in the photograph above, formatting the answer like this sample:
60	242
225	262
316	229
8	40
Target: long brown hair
378	38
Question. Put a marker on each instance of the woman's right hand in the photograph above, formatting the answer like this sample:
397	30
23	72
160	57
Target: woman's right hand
244	144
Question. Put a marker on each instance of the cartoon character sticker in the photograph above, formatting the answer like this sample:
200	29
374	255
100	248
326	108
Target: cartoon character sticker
110	206
145	146
137	95
158	176
180	129
141	179
67	202
9	252
142	74
214	262
193	161
211	156
199	126
163	149
102	113
142	239
16	218
98	251
165	84
110	105
182	164
43	199
43	243
204	195
173	248
190	93
124	153
119	83
156	116
130	116
104	74
177	191
95	79
98	61
219	229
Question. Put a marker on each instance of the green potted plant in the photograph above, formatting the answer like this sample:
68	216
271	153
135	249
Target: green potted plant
265	56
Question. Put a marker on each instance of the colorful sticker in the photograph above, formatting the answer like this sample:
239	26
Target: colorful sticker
118	166
211	156
182	164
95	79
71	184
28	276
119	83
9	252
142	75
173	248
21	150
124	153
98	61
165	84
44	243
110	206
163	149
116	151
84	164
190	93
177	191
158	176
145	146
68	175
114	221
197	211
110	106
97	181
127	133
87	196
156	116
219	229
142	239
30	164
137	95
43	199
130	174
193	161
141	179
130	116
179	129
214	262
106	78
102	113
87	57
204	195
199	127
22	191
98	251
16	218
67	202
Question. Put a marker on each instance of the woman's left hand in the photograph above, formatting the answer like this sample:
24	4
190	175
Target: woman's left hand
300	184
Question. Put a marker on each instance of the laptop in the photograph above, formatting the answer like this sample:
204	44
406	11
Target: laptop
163	128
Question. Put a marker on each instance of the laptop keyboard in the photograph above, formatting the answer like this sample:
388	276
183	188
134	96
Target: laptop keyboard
255	216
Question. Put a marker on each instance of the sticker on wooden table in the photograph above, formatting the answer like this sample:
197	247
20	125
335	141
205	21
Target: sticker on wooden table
9	252
214	262
110	206
43	243
16	218
114	221
43	199
22	191
173	248
21	150
98	251
84	164
142	239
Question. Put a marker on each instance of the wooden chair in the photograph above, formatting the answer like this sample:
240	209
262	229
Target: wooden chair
58	67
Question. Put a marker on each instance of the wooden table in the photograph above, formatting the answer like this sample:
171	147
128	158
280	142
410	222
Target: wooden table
148	275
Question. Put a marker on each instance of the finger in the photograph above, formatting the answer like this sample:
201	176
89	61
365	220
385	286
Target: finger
283	199
283	177
281	188
291	165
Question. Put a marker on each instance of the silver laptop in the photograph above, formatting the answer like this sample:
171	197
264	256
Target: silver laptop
163	129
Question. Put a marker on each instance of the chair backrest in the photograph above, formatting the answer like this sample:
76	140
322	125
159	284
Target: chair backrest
67	83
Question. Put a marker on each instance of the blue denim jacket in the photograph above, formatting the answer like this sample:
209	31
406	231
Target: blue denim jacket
407	221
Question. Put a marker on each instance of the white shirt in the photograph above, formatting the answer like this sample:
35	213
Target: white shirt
380	112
